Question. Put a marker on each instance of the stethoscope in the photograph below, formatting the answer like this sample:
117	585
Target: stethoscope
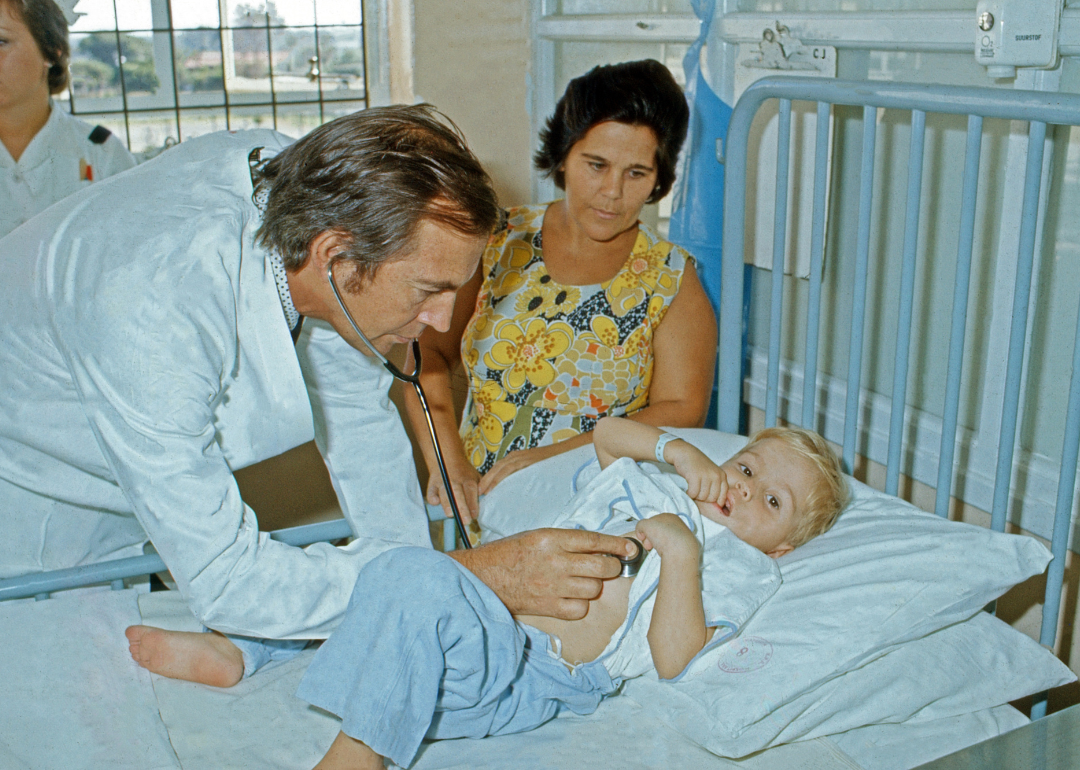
413	378
629	566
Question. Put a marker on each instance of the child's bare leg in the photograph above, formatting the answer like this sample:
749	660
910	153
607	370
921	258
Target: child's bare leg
349	754
196	657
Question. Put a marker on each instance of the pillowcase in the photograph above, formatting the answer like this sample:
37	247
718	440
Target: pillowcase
532	497
973	665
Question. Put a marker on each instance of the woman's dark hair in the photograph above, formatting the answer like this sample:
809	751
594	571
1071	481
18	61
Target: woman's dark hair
639	93
49	29
374	175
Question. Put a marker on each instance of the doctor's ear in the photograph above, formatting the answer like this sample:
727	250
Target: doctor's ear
326	246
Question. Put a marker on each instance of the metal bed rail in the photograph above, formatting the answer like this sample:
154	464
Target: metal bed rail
1036	108
41	585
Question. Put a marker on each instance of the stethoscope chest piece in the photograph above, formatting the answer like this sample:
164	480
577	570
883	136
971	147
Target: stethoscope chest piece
631	565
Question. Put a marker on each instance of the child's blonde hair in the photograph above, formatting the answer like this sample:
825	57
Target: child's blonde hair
828	497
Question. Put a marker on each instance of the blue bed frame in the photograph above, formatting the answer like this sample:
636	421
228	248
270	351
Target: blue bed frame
1039	110
41	585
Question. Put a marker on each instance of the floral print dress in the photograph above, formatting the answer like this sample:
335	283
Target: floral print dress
545	361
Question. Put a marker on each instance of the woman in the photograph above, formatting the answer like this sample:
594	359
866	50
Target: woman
578	310
45	154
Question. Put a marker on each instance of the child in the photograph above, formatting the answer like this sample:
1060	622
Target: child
426	650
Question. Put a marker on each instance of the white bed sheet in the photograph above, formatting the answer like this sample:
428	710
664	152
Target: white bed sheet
70	695
74	699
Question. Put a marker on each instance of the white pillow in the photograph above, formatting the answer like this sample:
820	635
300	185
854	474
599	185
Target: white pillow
531	498
973	665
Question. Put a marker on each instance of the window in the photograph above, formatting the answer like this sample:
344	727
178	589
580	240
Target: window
159	71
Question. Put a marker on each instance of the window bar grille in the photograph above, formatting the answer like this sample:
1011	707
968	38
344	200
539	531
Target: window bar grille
319	70
120	70
223	29
270	70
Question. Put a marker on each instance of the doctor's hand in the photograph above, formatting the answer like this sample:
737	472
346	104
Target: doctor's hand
465	483
551	572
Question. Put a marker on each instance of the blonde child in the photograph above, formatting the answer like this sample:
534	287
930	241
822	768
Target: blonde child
426	650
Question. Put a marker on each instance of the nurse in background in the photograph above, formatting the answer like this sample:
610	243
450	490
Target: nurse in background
45	153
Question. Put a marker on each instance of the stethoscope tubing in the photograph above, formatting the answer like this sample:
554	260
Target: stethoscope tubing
414	379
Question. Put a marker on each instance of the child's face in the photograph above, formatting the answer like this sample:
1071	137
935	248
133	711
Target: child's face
767	489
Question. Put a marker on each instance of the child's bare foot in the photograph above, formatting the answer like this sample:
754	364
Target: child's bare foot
205	658
349	754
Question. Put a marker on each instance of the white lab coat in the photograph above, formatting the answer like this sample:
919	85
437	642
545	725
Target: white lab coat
144	356
60	160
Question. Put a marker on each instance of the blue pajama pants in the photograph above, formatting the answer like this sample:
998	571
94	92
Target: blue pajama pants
427	650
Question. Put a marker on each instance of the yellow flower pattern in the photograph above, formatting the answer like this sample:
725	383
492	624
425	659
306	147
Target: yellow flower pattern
525	353
545	360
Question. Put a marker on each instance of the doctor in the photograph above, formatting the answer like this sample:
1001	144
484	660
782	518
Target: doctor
147	329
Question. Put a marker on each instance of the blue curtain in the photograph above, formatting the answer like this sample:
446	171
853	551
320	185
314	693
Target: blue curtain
697	208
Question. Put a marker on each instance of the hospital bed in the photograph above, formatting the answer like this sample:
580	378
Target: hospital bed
877	691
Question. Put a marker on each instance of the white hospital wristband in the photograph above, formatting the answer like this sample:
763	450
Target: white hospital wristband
662	442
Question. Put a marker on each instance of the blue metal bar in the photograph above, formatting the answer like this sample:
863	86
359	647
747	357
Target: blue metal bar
1040	106
907	284
858	306
1025	260
817	258
968	199
1059	543
42	584
952	100
436	514
776	307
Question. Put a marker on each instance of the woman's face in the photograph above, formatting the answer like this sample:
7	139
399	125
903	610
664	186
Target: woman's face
24	72
609	174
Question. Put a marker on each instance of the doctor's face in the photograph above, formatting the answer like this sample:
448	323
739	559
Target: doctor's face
408	294
24	72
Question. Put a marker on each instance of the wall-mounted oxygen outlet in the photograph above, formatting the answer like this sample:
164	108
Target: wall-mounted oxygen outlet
1016	33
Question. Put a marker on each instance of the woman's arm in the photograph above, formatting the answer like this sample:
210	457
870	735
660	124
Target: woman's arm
441	354
677	631
684	352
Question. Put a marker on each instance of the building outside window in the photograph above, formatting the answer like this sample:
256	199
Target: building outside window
156	72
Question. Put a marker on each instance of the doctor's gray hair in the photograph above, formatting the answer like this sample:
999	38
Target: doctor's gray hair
374	175
49	28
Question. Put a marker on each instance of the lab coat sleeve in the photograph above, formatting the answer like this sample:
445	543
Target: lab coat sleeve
149	370
361	437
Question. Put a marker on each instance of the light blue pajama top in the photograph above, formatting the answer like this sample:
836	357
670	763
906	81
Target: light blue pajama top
736	578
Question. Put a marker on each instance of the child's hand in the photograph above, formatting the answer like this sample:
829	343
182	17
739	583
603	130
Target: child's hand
705	480
669	535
